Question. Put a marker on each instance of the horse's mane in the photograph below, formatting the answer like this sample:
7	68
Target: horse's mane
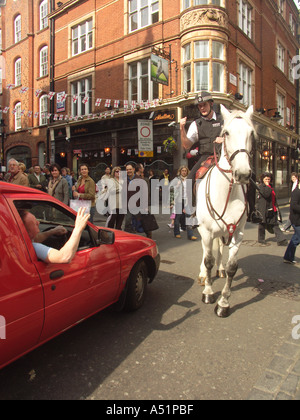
237	115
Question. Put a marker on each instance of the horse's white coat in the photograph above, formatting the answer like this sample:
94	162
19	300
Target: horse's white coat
238	131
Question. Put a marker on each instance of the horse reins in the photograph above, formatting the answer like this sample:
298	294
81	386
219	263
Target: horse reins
231	227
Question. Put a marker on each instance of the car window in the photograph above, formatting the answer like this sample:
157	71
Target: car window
50	216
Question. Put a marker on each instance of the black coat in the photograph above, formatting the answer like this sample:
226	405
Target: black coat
265	206
295	207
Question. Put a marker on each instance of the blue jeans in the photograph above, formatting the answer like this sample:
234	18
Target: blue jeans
294	242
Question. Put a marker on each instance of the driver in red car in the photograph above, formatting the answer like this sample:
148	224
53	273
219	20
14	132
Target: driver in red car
51	255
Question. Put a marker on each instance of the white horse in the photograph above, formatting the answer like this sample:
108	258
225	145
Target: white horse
222	203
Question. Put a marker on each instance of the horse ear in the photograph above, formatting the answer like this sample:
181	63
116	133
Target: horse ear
250	111
225	113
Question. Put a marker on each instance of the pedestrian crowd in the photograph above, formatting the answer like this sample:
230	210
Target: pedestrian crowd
202	140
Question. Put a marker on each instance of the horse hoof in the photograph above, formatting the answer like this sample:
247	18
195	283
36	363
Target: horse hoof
222	312
208	299
221	274
201	281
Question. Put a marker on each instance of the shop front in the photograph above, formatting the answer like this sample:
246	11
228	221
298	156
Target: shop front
276	152
114	141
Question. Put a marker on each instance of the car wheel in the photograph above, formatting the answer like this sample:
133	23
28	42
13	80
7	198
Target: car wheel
136	287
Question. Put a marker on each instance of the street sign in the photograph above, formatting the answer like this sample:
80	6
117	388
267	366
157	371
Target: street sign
145	138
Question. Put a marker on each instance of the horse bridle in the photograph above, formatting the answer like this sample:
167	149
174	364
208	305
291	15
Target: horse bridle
231	227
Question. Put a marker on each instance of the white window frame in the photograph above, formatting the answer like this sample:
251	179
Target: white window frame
18	118
43	110
205	66
138	81
44	61
44	14
142	13
281	7
82	33
17	28
78	107
18	72
245	17
245	85
280	57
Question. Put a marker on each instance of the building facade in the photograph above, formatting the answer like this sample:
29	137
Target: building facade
117	66
25	80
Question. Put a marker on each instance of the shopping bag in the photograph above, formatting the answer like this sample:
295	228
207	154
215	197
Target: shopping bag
76	204
149	222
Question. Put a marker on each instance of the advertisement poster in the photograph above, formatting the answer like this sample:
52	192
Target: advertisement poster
61	102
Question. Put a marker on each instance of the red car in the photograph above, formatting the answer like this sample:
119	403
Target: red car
39	301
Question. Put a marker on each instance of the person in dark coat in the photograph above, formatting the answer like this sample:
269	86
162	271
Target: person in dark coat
268	208
289	255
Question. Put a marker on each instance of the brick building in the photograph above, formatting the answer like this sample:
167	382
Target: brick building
101	54
25	79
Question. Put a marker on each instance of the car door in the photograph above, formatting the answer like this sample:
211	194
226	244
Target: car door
76	290
21	292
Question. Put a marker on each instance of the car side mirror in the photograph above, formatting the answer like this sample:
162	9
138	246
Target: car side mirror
105	237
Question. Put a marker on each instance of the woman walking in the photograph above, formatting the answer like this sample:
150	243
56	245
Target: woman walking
268	207
85	189
58	186
114	189
179	201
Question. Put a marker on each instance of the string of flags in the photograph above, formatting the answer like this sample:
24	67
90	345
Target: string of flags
112	105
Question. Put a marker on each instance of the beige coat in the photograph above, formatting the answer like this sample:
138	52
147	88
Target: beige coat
18	179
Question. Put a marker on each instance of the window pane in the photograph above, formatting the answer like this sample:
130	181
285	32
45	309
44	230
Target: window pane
187	53
134	22
218	50
201	49
144	17
132	5
201	76
187	78
218	70
145	88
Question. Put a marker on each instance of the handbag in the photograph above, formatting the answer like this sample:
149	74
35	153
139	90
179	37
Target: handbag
149	222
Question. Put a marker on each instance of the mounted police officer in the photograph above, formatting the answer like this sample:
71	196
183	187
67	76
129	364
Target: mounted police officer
205	131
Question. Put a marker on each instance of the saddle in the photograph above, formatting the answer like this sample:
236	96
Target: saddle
204	168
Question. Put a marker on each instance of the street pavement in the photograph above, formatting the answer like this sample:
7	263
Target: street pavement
175	347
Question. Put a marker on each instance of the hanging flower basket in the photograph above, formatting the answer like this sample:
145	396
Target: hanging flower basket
170	145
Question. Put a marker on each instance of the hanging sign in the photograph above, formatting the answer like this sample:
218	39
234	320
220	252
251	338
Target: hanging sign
159	70
145	138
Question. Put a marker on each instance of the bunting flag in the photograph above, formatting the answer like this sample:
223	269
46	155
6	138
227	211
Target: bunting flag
24	90
108	103
51	95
